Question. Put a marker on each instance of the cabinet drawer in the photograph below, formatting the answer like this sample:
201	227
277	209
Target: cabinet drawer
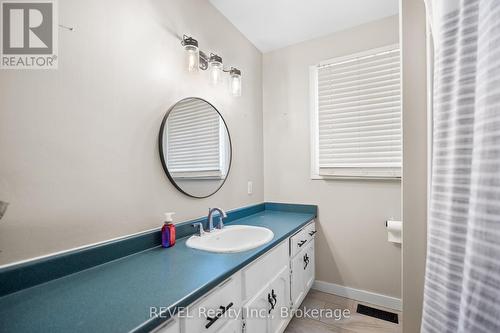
264	269
226	296
299	240
311	230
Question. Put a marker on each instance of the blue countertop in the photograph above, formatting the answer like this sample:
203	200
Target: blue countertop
117	296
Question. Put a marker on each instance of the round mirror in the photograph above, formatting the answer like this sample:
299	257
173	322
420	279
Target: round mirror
195	147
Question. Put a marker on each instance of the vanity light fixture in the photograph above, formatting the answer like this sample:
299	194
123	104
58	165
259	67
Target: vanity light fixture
197	59
192	53
215	65
235	82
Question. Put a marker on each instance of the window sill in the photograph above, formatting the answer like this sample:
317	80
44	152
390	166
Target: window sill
386	178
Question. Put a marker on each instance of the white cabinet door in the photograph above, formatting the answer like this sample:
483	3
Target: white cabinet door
297	280
264	313
302	277
280	294
255	312
308	259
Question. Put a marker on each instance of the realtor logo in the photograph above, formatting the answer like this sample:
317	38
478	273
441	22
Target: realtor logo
29	34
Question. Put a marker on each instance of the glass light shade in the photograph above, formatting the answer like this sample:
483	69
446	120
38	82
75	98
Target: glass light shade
215	72
192	58
235	85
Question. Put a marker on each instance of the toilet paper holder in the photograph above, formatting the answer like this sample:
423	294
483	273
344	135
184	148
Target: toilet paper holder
394	231
386	222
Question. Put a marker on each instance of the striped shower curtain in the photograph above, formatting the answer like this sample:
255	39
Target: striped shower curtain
462	284
462	281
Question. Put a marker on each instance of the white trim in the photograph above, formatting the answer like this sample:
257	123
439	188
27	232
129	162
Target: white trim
321	177
358	295
314	131
332	61
361	172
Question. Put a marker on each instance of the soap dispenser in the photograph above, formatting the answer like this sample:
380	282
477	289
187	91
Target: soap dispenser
168	231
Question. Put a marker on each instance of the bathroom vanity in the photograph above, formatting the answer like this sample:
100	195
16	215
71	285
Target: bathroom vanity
262	295
135	285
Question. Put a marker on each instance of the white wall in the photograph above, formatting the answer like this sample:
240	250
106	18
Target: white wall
78	145
352	248
413	37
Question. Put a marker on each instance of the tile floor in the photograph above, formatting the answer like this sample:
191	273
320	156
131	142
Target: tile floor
336	323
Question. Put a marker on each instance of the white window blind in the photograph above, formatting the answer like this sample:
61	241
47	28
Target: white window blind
195	141
357	121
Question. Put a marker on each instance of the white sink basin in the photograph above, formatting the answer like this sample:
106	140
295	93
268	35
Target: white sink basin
234	238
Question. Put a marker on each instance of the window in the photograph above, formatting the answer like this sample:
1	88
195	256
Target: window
196	142
356	115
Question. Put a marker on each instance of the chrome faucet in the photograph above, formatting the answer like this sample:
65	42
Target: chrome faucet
223	215
199	225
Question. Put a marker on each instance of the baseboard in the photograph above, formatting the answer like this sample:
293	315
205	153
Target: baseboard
358	295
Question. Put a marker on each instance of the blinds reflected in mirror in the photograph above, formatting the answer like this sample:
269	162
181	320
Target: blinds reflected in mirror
196	141
358	120
195	147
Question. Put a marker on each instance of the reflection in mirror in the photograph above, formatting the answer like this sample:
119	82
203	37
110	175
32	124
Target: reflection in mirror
195	147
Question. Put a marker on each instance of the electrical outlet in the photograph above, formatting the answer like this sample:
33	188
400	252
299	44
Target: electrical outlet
249	188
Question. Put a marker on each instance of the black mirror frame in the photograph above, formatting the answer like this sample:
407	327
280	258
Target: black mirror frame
164	163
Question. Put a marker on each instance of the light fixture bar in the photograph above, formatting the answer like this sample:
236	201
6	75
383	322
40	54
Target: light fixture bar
197	59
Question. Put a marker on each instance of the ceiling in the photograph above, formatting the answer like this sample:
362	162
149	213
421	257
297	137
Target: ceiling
273	24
